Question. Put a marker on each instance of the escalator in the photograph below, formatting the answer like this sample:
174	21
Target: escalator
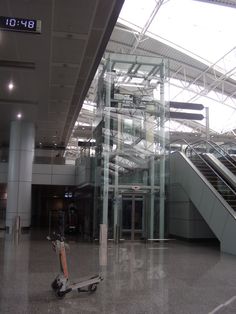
214	177
226	159
210	147
210	192
228	165
219	160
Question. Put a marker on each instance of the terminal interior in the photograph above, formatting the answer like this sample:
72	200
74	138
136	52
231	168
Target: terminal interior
117	130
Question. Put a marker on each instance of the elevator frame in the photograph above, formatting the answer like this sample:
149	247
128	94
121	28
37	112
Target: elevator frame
117	158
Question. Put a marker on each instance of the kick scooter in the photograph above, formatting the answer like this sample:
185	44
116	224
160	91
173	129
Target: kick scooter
61	284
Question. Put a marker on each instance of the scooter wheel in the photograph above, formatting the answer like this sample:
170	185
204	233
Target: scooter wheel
60	294
92	287
54	285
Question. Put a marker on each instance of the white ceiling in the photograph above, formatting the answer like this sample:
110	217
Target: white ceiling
52	71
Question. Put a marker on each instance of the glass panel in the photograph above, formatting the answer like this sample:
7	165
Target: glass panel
3	206
127	214
138	215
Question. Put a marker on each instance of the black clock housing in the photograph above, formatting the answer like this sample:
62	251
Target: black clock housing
20	24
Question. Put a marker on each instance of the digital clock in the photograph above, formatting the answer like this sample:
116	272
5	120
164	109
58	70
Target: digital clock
20	25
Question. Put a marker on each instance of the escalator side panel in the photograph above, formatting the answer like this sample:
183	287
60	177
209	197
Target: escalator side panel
228	238
213	208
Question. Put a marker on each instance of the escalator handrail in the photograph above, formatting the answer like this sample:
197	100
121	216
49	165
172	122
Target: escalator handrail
228	143
180	140
229	158
211	143
227	146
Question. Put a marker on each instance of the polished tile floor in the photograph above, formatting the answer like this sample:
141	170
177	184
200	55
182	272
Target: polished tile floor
174	277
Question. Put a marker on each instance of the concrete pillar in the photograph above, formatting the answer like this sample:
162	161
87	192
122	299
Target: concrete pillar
103	235
21	153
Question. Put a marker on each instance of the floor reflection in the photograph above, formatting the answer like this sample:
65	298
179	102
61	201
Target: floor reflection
15	273
173	277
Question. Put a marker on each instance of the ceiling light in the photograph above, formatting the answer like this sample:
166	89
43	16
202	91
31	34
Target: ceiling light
19	115
10	86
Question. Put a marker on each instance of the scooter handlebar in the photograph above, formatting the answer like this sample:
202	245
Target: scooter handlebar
55	236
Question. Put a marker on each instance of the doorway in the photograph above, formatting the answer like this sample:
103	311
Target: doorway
132	217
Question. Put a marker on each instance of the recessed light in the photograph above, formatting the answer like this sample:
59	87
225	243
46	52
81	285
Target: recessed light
10	86
19	115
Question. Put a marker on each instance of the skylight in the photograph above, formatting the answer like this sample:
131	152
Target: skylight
201	30
143	10
197	28
218	122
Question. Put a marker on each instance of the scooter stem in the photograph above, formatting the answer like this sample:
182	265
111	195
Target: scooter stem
63	261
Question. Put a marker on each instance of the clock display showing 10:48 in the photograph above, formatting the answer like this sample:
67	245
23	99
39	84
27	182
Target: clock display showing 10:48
21	23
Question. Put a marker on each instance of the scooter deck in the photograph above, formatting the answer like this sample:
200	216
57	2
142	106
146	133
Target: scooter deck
85	282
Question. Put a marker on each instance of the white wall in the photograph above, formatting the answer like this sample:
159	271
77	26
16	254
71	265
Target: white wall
53	174
46	174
